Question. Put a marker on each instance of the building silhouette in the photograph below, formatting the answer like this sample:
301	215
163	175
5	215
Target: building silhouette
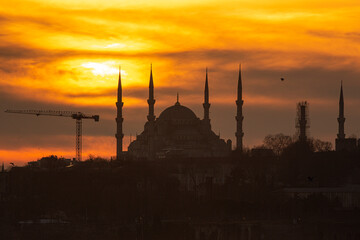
341	142
178	132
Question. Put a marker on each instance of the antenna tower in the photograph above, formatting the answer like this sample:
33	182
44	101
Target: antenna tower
302	121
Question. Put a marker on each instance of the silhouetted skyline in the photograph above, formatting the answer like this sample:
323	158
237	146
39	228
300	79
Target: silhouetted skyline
230	119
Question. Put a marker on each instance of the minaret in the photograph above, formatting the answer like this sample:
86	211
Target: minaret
119	120
151	118
239	116
151	100
341	118
206	103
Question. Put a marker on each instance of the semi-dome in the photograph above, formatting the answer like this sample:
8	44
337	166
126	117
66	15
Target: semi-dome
177	112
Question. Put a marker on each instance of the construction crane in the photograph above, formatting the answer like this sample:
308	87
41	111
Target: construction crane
78	116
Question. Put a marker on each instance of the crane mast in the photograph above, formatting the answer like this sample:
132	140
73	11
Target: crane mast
78	116
78	139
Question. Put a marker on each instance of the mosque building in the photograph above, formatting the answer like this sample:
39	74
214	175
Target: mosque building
178	132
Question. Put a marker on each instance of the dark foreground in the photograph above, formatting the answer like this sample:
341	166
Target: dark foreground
254	197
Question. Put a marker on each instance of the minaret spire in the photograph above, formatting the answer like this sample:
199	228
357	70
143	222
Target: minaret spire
119	120
177	99
119	95
239	116
151	118
151	100
206	103
341	118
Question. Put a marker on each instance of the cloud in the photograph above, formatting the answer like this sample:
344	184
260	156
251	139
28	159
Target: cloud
354	36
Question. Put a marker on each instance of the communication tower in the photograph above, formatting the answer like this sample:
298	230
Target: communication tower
302	121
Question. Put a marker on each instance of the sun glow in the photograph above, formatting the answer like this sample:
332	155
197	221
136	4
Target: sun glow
103	69
115	45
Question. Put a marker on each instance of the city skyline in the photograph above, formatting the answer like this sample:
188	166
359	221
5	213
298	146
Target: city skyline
72	64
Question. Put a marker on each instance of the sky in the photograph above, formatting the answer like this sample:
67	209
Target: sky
65	55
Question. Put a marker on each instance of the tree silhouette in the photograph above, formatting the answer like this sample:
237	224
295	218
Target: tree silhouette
277	142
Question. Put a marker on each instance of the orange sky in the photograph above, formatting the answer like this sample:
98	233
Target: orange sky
63	55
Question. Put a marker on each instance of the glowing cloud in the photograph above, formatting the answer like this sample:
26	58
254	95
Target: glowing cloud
103	69
114	45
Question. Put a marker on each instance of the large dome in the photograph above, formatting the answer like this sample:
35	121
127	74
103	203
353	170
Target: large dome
177	112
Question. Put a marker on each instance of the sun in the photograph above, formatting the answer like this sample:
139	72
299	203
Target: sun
102	69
